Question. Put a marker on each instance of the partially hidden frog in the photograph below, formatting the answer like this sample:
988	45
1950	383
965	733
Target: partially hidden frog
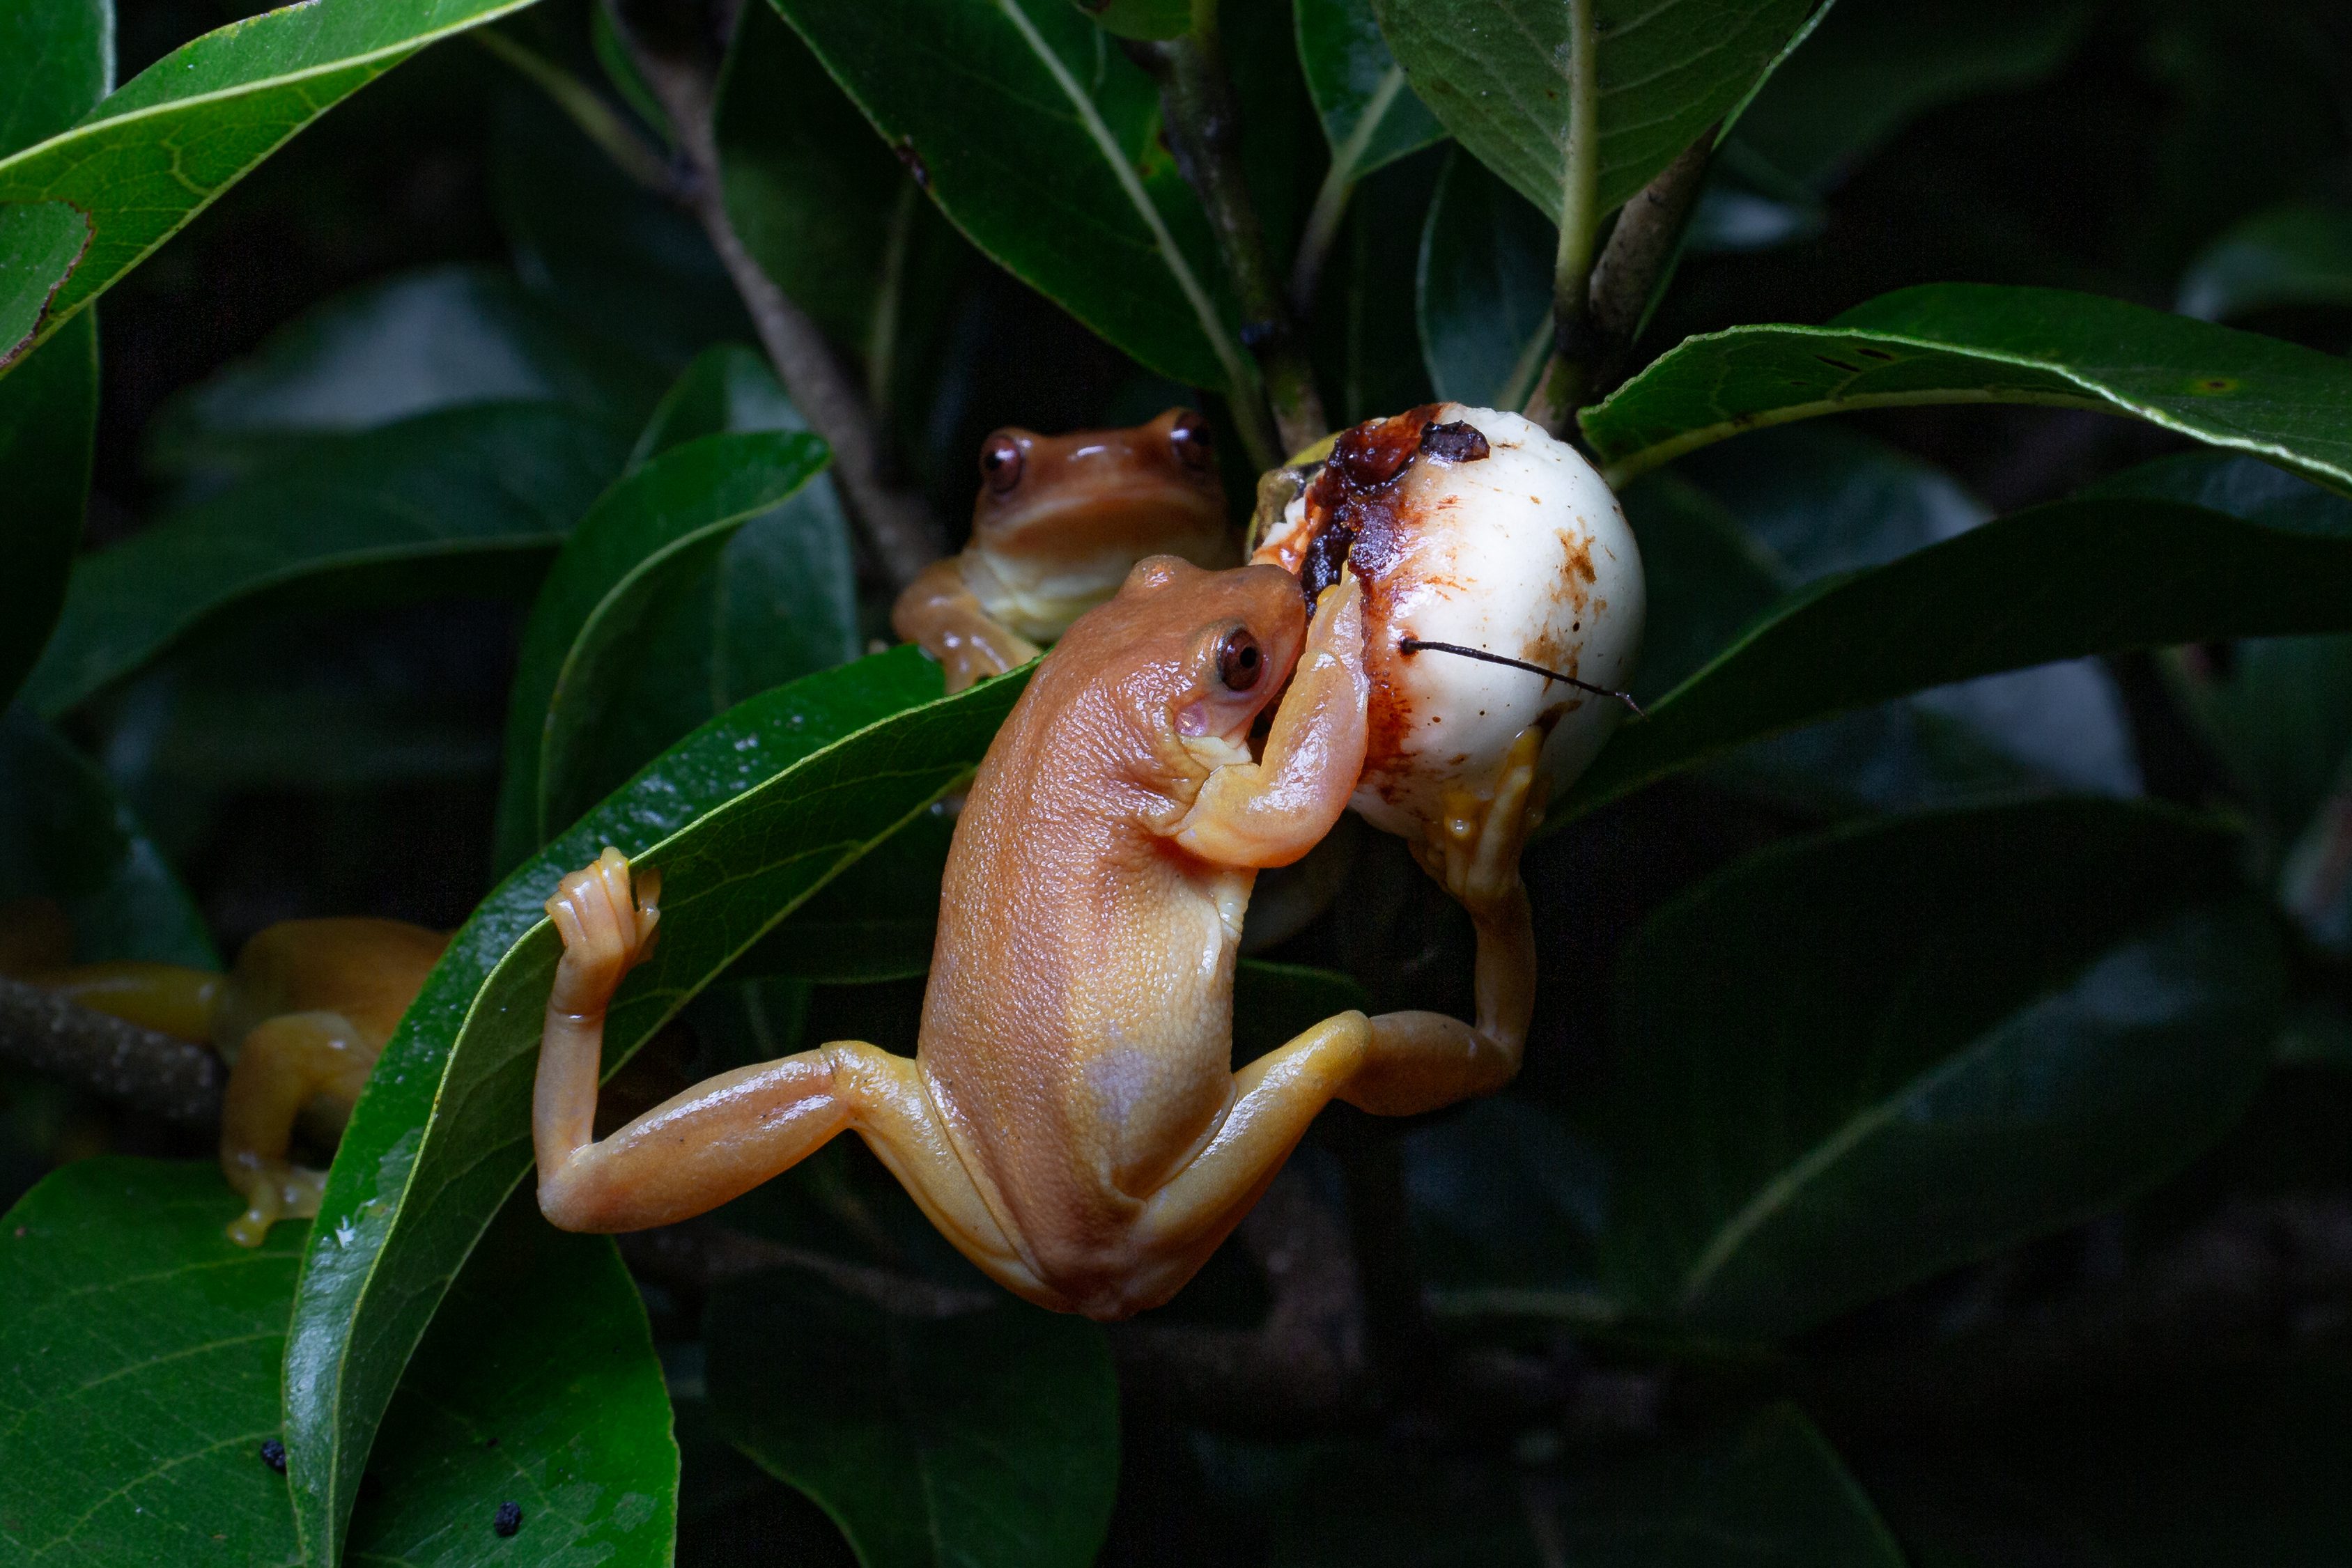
1058	522
1071	1119
301	1020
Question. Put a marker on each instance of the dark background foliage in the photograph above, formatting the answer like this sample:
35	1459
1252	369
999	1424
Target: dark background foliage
2109	1327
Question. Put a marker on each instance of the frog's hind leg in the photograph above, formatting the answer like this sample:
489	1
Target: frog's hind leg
285	1063
733	1131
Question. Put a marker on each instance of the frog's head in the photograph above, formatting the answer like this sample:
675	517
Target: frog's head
1189	658
1061	502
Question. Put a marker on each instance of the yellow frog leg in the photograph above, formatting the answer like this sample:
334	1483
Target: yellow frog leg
284	1065
1272	812
939	611
733	1131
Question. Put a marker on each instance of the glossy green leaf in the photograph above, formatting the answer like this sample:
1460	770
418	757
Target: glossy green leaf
746	816
877	921
437	338
1502	76
2059	582
1370	116
778	601
66	835
1961	342
819	202
157	152
48	425
1483	291
140	1351
1872	66
41	244
2300	253
469	499
1969	1027
1367	351
1039	140
60	59
657	526
987	1440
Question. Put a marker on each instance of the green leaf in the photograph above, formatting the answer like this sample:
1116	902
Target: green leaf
1367	351
746	816
141	1348
155	153
986	1440
2299	254
1275	1003
1852	1062
2059	582
1963	342
1776	1496
2277	711
1038	138
1370	116
413	343
657	526
878	920
1483	291
464	500
1139	18
66	835
59	60
41	244
820	203
536	1384
777	602
1502	77
1870	68
1771	1495
49	427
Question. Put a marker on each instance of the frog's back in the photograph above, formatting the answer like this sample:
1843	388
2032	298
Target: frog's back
1076	1030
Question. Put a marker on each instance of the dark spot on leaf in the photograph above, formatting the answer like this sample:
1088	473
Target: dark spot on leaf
1839	365
905	148
1881	355
273	1454
1459	442
2214	386
508	1519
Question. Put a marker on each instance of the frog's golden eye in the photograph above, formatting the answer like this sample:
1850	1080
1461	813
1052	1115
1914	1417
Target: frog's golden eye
1241	663
1000	463
1195	448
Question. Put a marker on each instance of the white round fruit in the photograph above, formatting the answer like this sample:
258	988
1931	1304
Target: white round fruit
1474	529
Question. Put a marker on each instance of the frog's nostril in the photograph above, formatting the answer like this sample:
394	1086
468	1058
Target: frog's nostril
1000	463
1195	448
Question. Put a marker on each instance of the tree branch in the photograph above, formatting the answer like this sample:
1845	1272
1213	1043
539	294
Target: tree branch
905	535
1640	249
156	1073
1204	124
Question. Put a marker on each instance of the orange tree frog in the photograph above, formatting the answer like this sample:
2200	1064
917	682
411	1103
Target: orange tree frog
301	1020
1070	1118
1058	521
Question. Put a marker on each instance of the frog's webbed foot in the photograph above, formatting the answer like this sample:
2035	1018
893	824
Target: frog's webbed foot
284	1065
606	931
1474	850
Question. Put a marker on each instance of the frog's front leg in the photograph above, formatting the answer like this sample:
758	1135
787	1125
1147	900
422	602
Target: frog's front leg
285	1063
940	612
735	1130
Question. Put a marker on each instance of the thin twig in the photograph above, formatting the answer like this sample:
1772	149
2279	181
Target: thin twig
1203	121
905	535
587	109
1561	388
163	1076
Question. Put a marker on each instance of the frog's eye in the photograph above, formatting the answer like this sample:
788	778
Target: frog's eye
1000	463
1241	663
1194	447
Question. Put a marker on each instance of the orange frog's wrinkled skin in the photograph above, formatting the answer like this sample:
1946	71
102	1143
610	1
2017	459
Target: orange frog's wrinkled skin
1058	522
1071	1119
301	1020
